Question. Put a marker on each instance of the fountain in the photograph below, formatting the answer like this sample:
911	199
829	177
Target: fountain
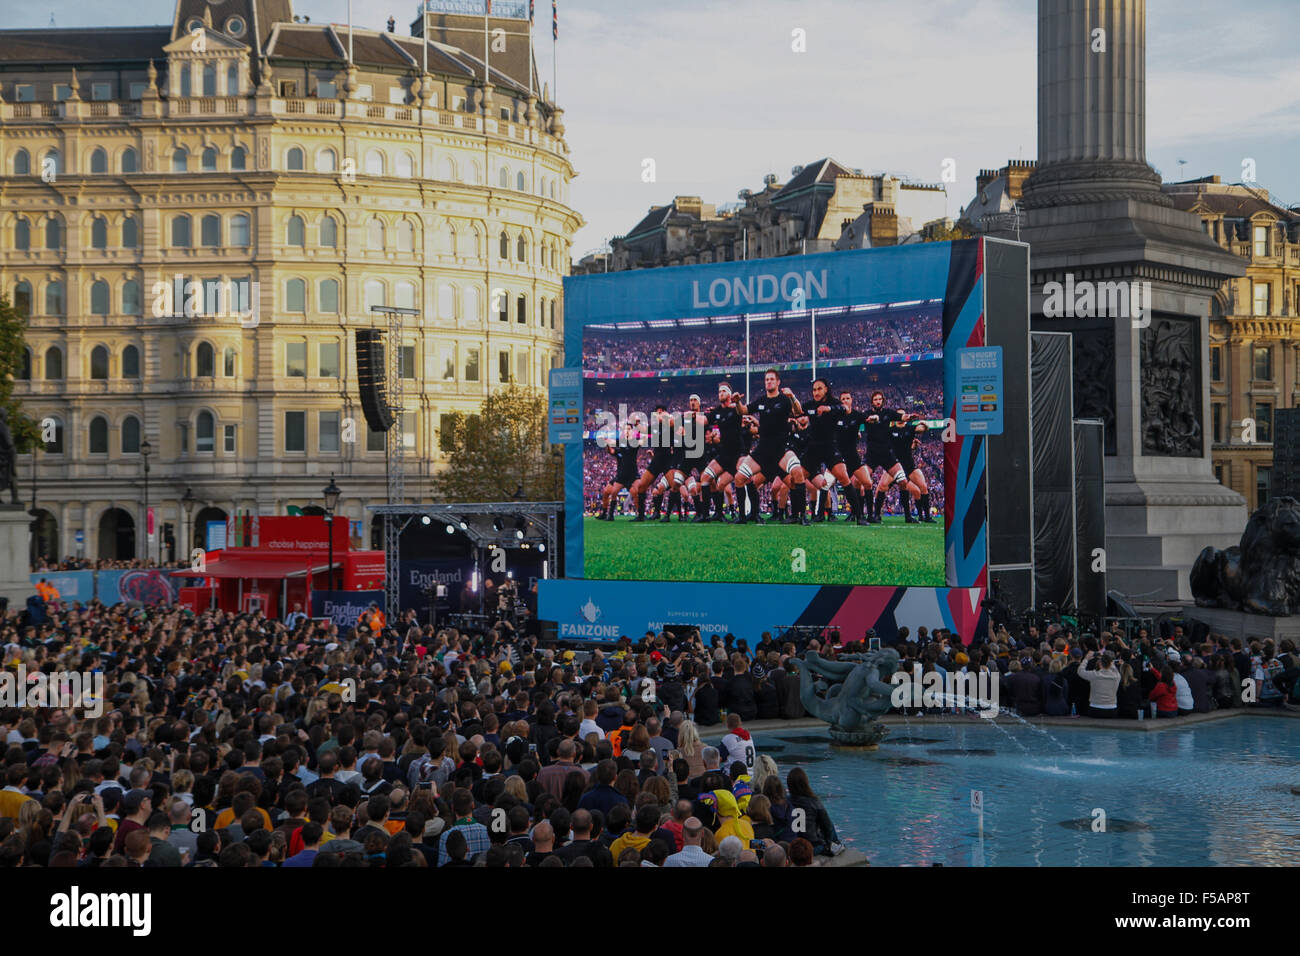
854	691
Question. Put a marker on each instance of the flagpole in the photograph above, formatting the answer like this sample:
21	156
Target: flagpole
349	32
531	13
555	36
487	54
424	41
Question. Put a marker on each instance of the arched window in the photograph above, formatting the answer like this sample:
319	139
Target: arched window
181	232
130	161
53	234
552	188
232	80
180	160
25	368
99	233
295	234
99	435
374	293
130	362
185	80
229	365
209	160
53	162
520	182
505	245
205	428
447	240
405	165
446	302
521	249
505	178
238	158
130	435
447	171
55	447
99	363
295	295
100	299
521	310
328	295
23	298
130	236
294	160
22	163
473	308
326	160
209	79
375	235
552	313
98	161
405	295
22	235
210	231
239	230
374	163
53	364
204	361
405	236
131	297
329	233
54	302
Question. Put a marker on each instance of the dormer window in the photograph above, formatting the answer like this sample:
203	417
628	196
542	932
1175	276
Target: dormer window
192	24
235	26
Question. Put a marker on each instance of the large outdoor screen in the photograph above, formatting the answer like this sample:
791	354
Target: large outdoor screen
801	446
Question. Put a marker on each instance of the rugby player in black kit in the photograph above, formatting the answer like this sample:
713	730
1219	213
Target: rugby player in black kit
625	473
906	437
847	426
665	442
725	439
880	451
772	456
826	419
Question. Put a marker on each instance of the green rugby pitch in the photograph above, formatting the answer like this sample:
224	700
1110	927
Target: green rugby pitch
893	553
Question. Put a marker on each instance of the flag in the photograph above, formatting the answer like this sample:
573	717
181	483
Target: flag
489	7
555	19
532	11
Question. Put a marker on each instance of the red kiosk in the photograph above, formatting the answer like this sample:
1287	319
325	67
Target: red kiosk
269	564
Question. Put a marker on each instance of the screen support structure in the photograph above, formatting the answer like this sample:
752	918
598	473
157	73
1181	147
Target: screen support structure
394	454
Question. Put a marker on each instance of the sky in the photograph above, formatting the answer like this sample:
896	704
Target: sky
716	95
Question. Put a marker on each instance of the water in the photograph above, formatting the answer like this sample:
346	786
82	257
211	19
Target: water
1213	794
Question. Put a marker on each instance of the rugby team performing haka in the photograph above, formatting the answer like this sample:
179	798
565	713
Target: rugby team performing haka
804	451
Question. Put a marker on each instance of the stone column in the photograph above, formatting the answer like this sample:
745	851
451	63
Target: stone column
1096	214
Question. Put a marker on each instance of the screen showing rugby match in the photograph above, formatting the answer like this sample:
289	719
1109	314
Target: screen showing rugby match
799	447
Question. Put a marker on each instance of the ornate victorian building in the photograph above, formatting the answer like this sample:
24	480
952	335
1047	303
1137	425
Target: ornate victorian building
824	206
1254	349
197	217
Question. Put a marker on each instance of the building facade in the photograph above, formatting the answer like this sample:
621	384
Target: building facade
824	206
1254	336
198	217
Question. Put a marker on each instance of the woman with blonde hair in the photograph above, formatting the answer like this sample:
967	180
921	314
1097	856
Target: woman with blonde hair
692	748
764	767
516	787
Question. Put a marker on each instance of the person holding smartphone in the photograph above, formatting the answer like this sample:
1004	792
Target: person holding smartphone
1103	684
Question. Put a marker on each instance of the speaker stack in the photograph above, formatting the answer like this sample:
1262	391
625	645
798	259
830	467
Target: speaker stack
371	376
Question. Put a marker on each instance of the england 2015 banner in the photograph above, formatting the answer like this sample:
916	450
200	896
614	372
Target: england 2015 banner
343	607
775	438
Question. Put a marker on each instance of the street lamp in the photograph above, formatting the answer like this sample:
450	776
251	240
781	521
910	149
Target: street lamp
145	449
187	503
331	493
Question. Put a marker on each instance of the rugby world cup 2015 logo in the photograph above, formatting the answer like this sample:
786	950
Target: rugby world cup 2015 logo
590	612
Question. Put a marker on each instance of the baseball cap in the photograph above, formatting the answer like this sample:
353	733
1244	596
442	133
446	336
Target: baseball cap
133	798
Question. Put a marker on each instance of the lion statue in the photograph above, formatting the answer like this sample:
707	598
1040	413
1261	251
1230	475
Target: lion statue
1262	574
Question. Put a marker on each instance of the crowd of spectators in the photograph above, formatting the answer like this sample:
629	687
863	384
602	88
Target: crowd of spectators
232	740
723	346
71	563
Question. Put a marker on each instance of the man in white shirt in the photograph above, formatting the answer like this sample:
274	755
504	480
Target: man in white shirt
1183	690
295	617
691	854
737	745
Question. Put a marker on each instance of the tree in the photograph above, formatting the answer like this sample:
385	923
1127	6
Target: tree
26	432
499	451
941	232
